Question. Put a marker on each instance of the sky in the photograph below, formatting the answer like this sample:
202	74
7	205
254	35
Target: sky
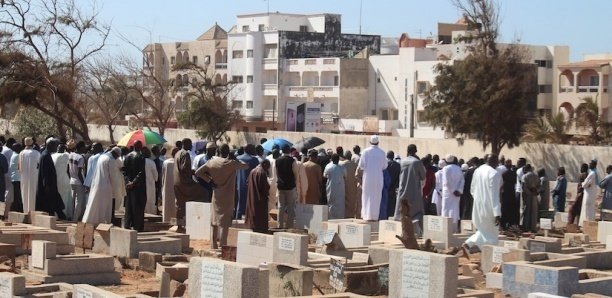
585	26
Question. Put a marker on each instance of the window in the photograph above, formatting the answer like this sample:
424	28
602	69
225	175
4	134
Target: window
249	104
545	88
249	53
237	54
384	115
303	28
336	80
310	62
249	79
422	87
237	79
207	59
594	81
378	79
261	27
395	115
245	28
544	63
421	118
172	60
236	104
194	59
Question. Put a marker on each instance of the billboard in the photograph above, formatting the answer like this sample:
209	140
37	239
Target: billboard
300	116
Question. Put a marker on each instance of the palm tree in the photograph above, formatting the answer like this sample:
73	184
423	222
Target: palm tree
588	118
548	129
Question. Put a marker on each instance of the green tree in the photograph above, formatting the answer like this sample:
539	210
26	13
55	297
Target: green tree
548	129
209	110
487	93
50	39
30	122
589	119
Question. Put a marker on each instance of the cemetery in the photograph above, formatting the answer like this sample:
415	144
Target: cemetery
45	257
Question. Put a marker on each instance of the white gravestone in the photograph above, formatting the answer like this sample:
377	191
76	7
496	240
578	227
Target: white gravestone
286	243
511	244
435	223
82	293
498	254
212	280
198	220
415	277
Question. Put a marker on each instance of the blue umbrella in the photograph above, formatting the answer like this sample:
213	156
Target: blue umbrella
270	143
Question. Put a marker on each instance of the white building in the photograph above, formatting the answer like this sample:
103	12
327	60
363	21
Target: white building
398	83
277	58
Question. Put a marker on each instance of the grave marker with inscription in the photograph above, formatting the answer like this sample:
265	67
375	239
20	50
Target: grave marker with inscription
422	274
290	248
254	248
354	234
210	277
212	280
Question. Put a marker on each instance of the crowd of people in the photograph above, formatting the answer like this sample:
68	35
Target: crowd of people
78	182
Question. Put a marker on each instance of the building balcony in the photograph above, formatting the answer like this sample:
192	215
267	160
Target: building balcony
220	65
313	91
269	115
270	89
588	89
566	89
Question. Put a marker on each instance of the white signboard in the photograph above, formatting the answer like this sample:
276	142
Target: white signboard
498	254
545	223
537	247
351	229
82	293
212	280
511	244
303	116
415	275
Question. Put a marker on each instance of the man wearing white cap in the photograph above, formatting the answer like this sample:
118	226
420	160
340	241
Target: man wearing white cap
28	171
103	189
452	188
371	165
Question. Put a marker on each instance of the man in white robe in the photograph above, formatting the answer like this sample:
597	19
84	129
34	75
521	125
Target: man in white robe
151	176
590	185
370	168
168	198
486	214
92	163
436	197
60	161
103	188
9	192
452	189
28	170
119	191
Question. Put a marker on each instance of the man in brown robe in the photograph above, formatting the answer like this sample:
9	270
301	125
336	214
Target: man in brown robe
352	198
257	198
185	188
221	173
314	174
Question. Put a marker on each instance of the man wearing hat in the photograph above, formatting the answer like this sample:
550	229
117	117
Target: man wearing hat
28	171
452	188
371	165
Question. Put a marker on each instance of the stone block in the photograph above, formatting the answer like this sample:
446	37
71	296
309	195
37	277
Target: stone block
604	228
78	264
310	217
600	260
289	248
232	236
591	228
521	278
41	251
575	239
379	254
438	229
147	261
102	240
492	255
561	220
494	280
609	242
476	294
210	277
467	227
162	245
183	237
541	244
198	220
388	229
254	248
422	274
12	284
44	221
289	280
355	234
18	217
175	258
88	291
178	272
123	243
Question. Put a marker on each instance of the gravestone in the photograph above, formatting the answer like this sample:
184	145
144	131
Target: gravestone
388	229
290	280
439	229
494	255
88	291
354	234
522	278
290	248
604	228
561	220
254	248
42	250
310	217
467	227
214	278
609	242
541	244
198	220
12	284
422	274
591	228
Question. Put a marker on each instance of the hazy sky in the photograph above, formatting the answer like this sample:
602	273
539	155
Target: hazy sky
585	26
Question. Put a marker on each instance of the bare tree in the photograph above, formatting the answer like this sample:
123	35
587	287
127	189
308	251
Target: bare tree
55	37
108	99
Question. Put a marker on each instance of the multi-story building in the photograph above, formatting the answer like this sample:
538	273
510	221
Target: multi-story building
278	58
399	82
587	78
208	51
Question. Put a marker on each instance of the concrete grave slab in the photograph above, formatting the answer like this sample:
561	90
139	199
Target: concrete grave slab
310	217
422	274
290	248
210	277
254	248
198	220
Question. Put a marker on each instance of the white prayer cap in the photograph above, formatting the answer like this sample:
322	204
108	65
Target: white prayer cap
464	167
117	150
28	141
450	158
397	156
441	164
374	140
